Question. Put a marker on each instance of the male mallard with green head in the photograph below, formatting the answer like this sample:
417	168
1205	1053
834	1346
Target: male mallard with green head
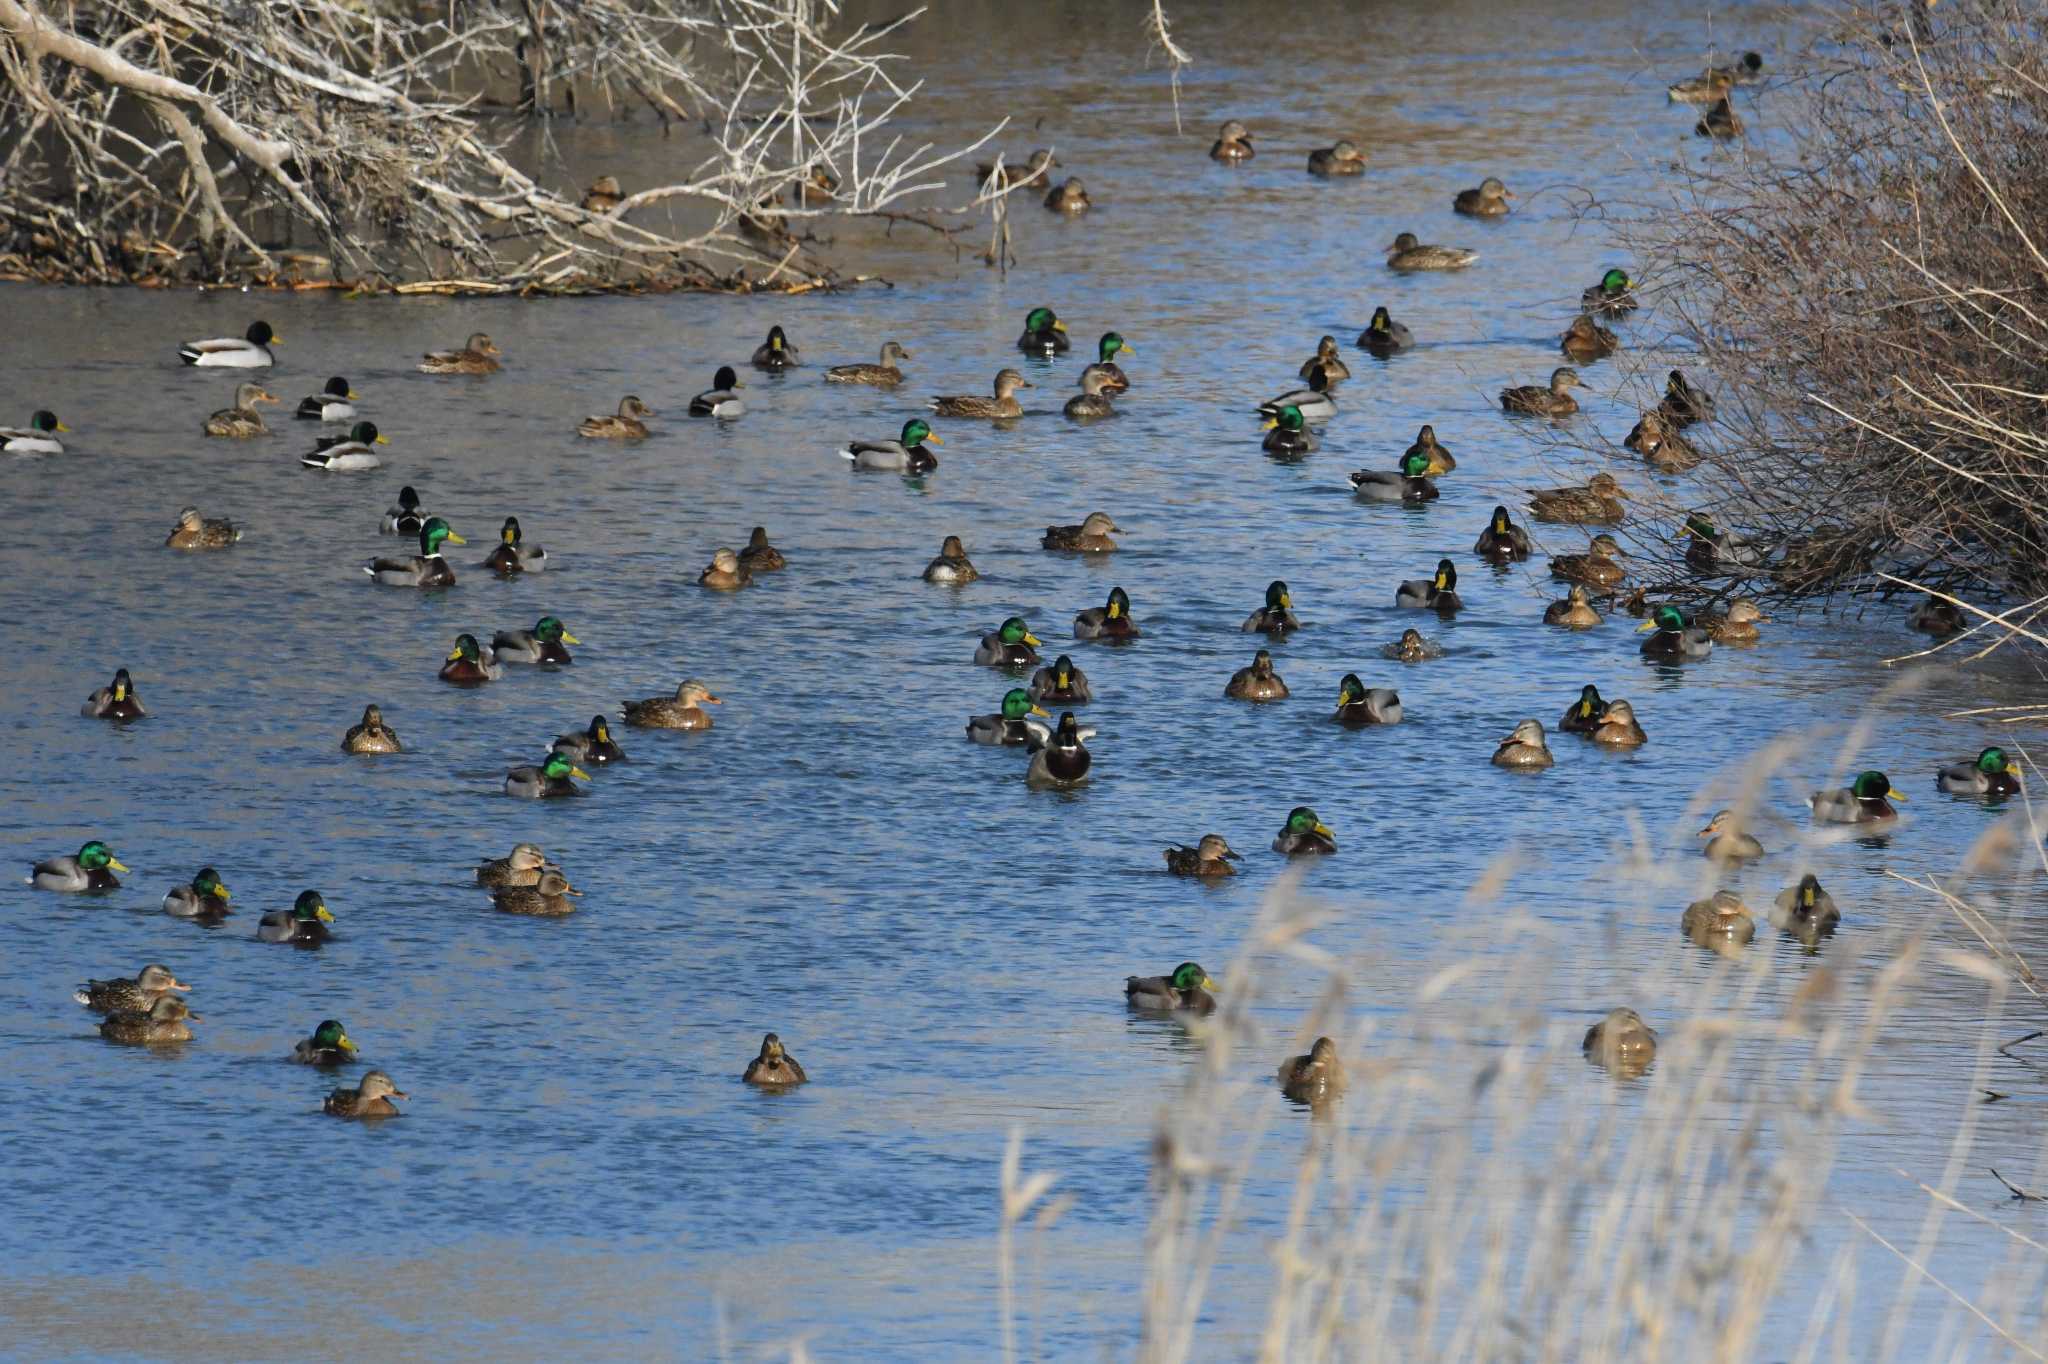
1673	637
329	1046
721	400
1867	800
1684	403
1044	334
1010	726
348	453
1107	349
466	665
121	995
1211	856
204	897
250	350
776	353
1583	716
1992	774
1805	910
1111	620
512	554
305	924
427	568
1287	434
551	779
1062	760
1304	835
115	701
543	644
91	868
593	745
1383	336
1276	617
1061	684
1613	296
1187	988
1409	485
1359	705
334	403
1437	593
1502	541
907	454
39	437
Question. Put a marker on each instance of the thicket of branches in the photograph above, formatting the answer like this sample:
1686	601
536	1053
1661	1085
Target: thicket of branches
179	139
1865	277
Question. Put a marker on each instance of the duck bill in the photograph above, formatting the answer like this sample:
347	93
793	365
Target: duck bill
932	439
352	395
384	441
1041	710
324	914
1269	424
345	1044
115	863
1209	984
1324	830
568	638
1233	856
1126	348
63	428
1033	640
177	984
1646	627
1058	325
576	771
1894	795
453	538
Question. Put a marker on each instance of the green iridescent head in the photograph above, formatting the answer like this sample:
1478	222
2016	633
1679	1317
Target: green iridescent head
1350	692
558	767
1063	672
208	883
96	856
1289	418
433	532
1992	761
46	421
1302	821
332	1036
365	433
466	650
1189	976
1112	346
1382	321
309	908
1414	465
916	433
1277	595
1017	704
1015	631
1119	604
1502	525
1809	890
1698	525
1614	282
1039	320
1874	785
549	630
1589	704
1669	619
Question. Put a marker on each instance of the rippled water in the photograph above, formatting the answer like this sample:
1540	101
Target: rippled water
942	948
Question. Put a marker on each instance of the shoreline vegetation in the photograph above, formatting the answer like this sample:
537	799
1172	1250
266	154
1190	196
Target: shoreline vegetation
367	146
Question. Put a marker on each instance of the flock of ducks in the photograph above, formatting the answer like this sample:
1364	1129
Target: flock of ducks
147	1009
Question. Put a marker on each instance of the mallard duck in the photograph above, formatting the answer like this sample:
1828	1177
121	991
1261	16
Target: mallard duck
1044	334
775	353
204	897
304	924
1683	403
1412	647
1586	340
1409	485
1384	336
122	995
1867	800
166	1020
720	400
346	454
1716	551
1437	593
1359	705
1107	349
886	372
372	735
1316	403
1111	620
1342	159
371	1098
1544	400
1093	400
725	573
774	1068
196	532
1326	358
1596	502
1233	143
478	355
1708	87
334	403
1276	617
1575	612
1720	922
1211	856
330	1045
542	644
1304	835
1599	566
425	569
1315	1076
466	665
520	867
115	701
1406	253
1062	684
1737	625
1002	407
91	868
242	421
1524	748
1990	775
549	899
1618	727
626	424
1427	445
951	564
512	554
1187	987
1583	716
593	745
1011	725
1675	639
1502	541
1661	448
758	556
906	454
406	518
1069	197
1490	200
1720	121
604	195
250	350
1938	618
39	437
1090	537
1613	296
1062	759
1805	910
1728	841
1288	436
1257	681
550	779
1035	173
1621	1043
684	710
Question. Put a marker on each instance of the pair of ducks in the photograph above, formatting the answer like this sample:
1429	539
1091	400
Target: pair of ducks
525	882
467	665
1059	753
1723	922
1611	724
731	569
143	1011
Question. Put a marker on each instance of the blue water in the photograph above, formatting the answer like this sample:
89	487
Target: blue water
579	1170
